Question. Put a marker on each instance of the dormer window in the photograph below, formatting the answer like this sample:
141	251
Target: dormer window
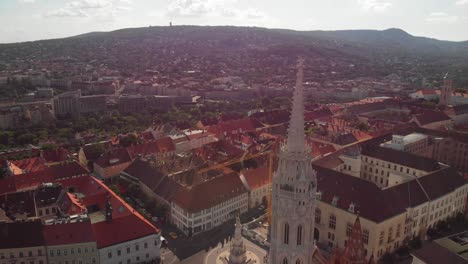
319	195
335	200
351	207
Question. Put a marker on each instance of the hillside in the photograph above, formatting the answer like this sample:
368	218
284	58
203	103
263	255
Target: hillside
239	50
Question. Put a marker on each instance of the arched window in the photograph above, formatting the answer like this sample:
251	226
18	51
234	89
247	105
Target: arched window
318	215
285	261
299	235
298	261
332	222
286	233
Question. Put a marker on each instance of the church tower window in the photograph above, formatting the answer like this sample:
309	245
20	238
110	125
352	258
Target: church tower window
299	235
286	233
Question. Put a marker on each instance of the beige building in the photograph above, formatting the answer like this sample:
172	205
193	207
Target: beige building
258	183
386	167
414	143
70	241
389	216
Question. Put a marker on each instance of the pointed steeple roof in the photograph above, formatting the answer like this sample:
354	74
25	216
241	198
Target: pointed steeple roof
354	252
296	135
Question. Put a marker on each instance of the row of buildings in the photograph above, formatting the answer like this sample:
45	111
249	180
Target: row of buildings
62	215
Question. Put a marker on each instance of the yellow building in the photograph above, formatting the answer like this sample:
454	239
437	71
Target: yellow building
389	216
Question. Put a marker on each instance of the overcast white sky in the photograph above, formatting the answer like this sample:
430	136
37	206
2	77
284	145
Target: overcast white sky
24	20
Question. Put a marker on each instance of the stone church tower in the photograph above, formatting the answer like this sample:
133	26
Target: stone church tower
293	194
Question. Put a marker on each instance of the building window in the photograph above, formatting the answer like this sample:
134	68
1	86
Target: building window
146	245
137	247
119	252
128	250
332	222
349	229
299	235
285	261
286	234
398	229
318	214
365	236
109	254
381	237
390	234
298	261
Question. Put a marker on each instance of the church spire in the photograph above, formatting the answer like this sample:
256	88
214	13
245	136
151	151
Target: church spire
296	135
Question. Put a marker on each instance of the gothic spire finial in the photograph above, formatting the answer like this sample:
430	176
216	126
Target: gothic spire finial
296	135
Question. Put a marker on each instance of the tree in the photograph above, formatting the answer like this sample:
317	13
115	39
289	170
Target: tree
26	138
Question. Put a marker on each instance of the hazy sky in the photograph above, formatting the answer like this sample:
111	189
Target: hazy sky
23	20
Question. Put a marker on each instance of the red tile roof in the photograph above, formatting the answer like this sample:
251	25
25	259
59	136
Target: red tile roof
428	117
7	185
96	194
246	124
21	234
29	165
121	230
257	177
55	155
113	158
68	233
203	195
385	203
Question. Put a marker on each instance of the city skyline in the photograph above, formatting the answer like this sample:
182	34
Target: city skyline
28	20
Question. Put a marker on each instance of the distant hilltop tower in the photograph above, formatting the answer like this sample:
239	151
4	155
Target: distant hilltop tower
446	91
170	23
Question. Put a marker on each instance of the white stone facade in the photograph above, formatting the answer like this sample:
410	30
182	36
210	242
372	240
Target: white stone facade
140	250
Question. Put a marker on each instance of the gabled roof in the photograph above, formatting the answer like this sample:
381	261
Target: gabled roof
256	177
316	114
59	171
401	157
433	253
27	165
246	124
113	158
121	230
68	233
96	194
203	195
55	155
21	234
94	151
428	117
145	173
385	203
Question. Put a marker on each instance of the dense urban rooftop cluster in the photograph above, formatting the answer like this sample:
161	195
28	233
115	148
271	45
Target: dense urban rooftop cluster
99	155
